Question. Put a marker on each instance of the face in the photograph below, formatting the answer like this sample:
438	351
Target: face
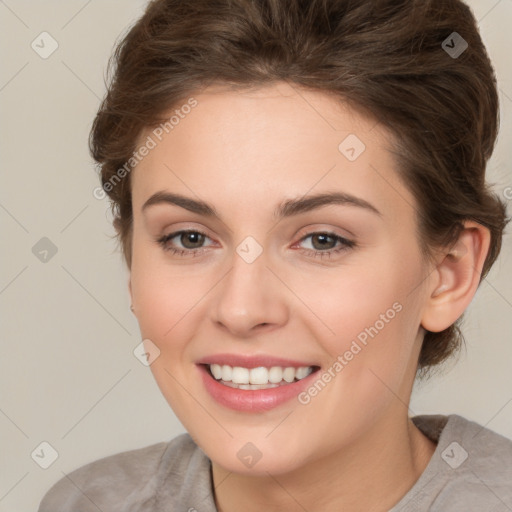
280	320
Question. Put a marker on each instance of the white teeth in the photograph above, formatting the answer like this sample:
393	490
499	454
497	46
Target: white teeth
240	375
256	386
275	375
227	372
302	372
258	378
258	375
289	374
216	370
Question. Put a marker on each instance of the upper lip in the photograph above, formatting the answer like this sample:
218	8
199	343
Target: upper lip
252	361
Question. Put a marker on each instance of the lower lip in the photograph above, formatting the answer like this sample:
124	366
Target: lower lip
252	400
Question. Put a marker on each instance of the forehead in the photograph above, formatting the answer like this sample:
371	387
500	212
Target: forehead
260	144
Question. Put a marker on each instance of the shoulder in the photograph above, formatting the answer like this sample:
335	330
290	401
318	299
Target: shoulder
470	468
462	441
128	480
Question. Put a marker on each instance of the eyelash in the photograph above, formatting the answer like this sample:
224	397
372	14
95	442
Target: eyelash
345	244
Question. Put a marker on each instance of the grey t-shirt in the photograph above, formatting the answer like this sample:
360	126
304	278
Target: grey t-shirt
470	471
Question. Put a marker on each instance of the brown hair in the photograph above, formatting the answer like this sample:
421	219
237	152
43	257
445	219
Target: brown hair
385	57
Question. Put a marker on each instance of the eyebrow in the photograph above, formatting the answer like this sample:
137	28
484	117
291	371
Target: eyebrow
287	208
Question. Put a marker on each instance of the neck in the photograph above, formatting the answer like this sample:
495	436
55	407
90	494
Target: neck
372	474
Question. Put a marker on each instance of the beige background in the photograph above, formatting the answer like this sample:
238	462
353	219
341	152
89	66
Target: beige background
68	374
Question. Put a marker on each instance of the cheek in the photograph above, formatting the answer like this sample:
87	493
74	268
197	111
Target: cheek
369	316
164	299
162	295
371	350
351	299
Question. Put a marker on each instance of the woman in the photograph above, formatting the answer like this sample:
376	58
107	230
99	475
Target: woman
299	192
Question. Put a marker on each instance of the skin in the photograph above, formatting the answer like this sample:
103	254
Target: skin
244	152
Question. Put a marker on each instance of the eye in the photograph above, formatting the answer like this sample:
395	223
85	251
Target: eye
191	241
324	244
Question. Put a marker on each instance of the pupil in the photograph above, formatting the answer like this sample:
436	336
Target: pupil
191	236
321	237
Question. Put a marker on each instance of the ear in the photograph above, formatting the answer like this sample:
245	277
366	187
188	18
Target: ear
454	281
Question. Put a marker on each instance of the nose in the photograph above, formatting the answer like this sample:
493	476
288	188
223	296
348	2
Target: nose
250	299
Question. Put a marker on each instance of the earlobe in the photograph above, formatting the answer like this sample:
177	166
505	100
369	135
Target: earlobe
456	278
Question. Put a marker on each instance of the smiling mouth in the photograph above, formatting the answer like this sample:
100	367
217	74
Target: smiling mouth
261	377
